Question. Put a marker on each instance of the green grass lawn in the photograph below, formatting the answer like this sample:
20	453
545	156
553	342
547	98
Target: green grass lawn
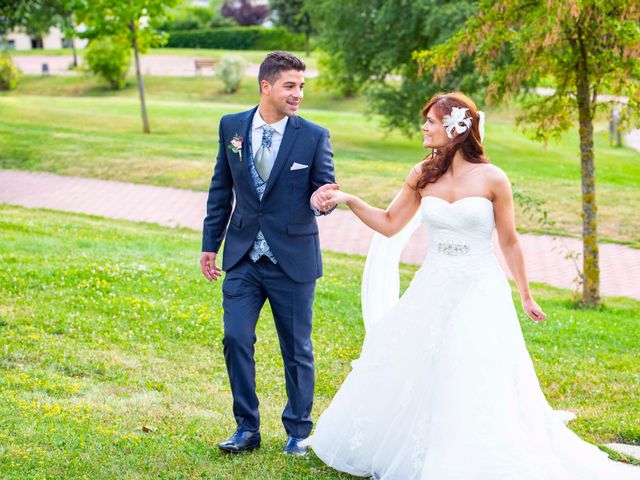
200	89
111	362
73	126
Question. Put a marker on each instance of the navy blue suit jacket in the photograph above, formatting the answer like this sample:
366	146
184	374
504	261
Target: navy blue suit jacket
284	214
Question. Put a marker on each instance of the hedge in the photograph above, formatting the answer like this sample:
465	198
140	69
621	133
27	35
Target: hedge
237	38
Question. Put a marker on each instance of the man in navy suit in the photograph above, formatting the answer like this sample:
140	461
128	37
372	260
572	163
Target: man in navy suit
279	169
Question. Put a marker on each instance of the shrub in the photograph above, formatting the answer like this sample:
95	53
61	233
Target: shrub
188	17
109	60
8	73
238	38
231	71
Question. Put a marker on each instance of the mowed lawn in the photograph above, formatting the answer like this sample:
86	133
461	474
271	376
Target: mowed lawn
73	126
111	361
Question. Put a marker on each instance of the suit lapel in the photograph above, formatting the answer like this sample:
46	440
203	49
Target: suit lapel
244	129
288	141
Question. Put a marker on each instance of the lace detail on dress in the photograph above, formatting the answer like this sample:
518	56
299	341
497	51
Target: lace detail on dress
419	447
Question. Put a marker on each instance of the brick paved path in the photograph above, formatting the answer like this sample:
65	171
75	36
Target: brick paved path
339	232
160	65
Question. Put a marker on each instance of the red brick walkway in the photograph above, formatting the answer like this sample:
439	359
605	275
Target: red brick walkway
339	232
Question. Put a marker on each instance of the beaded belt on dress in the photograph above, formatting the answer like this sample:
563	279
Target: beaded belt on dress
453	249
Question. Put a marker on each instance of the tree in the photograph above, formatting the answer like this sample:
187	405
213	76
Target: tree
585	47
37	17
132	21
34	16
369	45
294	16
245	12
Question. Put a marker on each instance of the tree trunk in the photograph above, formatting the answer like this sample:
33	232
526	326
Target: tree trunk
72	31
143	105
590	251
307	43
75	53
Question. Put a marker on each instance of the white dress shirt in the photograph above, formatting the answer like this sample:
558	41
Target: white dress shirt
256	133
276	140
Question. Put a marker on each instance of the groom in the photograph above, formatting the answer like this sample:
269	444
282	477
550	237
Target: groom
272	173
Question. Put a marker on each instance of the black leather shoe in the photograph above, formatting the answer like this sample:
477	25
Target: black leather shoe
296	446
241	441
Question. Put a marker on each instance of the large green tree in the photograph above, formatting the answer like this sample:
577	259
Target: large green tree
585	47
36	17
369	45
295	16
133	21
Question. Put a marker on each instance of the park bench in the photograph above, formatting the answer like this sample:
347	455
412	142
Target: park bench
201	63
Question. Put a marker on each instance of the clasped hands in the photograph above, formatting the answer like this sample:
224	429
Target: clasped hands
327	197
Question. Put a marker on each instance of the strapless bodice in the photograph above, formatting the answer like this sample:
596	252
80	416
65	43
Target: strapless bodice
463	228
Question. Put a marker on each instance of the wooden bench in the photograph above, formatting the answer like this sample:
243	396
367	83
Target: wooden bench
201	63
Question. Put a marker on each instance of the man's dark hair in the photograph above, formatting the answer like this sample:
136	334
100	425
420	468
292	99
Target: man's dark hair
277	62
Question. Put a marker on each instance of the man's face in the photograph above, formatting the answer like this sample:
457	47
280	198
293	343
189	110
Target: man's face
285	94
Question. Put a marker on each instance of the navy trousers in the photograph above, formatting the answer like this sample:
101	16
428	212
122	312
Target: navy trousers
245	289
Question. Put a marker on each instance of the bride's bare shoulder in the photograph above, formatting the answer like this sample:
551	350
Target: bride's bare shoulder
417	168
498	181
494	174
414	175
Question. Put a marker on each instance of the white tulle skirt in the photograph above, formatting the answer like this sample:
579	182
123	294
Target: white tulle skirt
445	389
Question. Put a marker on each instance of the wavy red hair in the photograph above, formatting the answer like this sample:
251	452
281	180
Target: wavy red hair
468	142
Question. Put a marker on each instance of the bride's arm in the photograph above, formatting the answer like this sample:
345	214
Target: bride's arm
390	221
510	243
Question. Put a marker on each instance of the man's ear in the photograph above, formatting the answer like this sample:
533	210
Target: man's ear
265	87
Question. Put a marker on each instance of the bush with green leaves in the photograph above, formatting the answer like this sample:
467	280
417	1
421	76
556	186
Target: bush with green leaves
8	73
238	38
193	17
231	71
109	60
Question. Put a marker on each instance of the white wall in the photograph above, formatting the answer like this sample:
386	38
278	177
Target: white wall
21	41
51	41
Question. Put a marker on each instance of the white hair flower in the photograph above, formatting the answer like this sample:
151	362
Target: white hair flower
456	121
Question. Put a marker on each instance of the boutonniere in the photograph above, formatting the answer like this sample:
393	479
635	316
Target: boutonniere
236	145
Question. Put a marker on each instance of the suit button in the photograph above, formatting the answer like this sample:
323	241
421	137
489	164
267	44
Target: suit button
259	214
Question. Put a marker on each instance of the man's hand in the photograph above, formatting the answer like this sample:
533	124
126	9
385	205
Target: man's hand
320	198
210	270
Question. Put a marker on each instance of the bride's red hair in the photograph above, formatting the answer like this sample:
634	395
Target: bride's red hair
439	161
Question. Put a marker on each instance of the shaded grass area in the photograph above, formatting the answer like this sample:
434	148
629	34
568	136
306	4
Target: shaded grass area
111	363
196	88
77	132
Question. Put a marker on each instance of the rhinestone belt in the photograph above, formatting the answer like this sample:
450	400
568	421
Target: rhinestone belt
453	249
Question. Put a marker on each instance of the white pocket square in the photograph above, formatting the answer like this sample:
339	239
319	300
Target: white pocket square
298	166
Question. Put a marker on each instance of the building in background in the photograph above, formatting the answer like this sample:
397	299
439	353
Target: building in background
19	40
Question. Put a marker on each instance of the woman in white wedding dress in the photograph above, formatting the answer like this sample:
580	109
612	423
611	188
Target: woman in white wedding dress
444	388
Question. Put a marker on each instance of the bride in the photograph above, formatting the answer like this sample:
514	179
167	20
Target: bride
444	387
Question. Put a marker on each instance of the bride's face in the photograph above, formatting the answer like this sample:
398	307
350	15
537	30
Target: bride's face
435	135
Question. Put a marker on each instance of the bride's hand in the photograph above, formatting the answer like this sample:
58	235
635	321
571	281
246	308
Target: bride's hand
338	197
533	310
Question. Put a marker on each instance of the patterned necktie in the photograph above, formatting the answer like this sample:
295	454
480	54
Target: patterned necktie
265	157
